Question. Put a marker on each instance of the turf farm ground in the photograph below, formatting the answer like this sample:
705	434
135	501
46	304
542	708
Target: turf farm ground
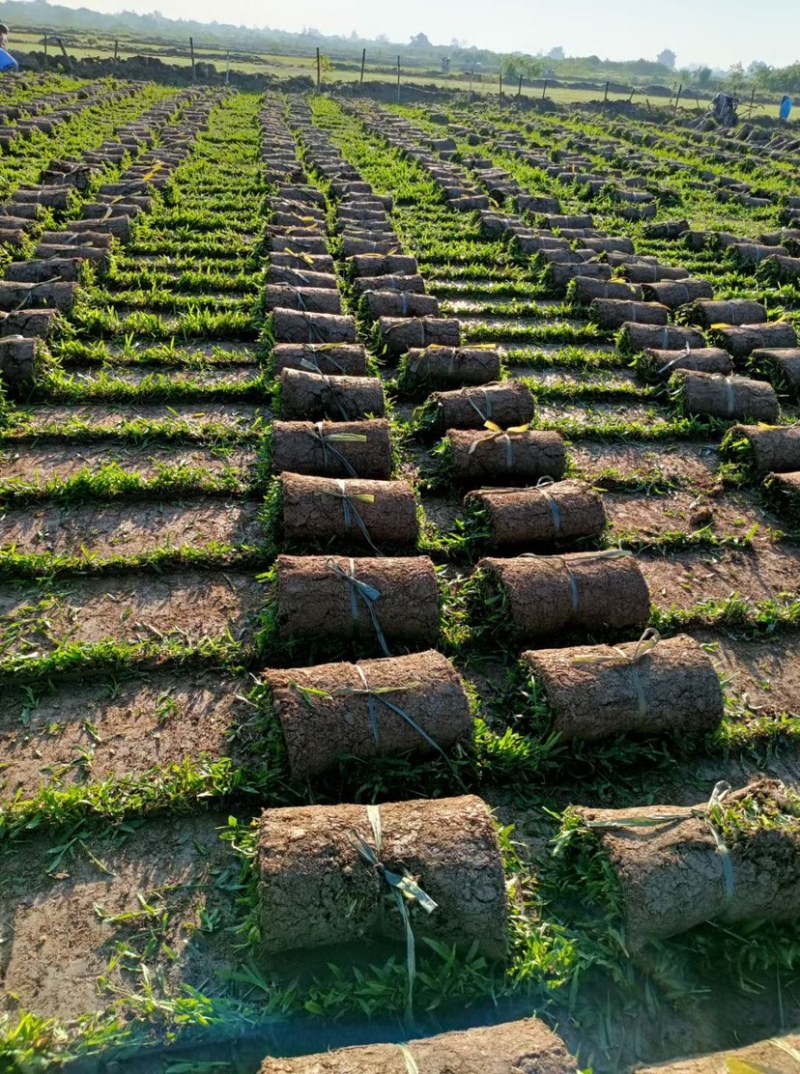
292	382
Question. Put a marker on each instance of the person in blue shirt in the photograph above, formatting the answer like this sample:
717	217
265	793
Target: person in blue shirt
7	61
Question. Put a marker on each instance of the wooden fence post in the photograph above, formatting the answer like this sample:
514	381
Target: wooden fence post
363	63
191	50
398	80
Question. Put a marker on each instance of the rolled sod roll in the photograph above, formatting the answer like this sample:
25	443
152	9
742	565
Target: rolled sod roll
673	877
545	594
375	304
363	511
559	276
743	340
312	396
312	262
55	295
18	362
396	599
478	456
400	334
63	268
560	511
643	273
561	221
506	403
732	313
413	284
300	278
766	449
736	311
294	326
449	367
774	1055
655	364
781	365
316	888
674	293
332	449
325	711
615	312
666	229
595	691
348	360
309	299
780	269
382	265
642	337
724	397
753	253
524	1047
584	289
39	324
783	492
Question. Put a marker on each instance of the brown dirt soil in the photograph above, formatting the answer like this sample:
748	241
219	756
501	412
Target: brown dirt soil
41	462
186	606
690	465
685	578
763	675
730	516
137	724
51	915
766	1056
129	529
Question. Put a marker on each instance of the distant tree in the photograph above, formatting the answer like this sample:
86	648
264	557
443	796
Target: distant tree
756	67
667	57
420	41
382	39
735	78
703	76
556	53
517	65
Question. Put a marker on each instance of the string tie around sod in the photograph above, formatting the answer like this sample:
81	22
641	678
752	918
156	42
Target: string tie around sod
404	889
408	1058
730	396
707	813
328	440
498	433
333	395
608	553
379	695
648	641
368	594
351	512
687	350
541	486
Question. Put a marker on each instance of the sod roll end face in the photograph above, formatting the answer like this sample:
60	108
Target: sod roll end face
317	888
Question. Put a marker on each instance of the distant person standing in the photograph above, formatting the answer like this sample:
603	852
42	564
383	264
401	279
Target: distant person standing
7	61
785	109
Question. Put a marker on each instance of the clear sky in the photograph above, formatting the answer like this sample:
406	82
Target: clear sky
717	32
